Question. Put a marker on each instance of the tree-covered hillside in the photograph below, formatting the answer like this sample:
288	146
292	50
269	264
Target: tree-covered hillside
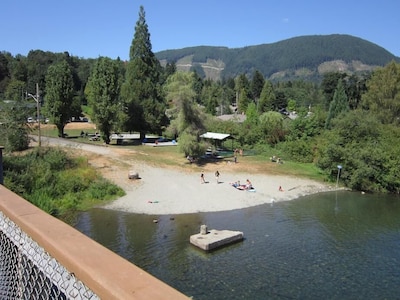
289	56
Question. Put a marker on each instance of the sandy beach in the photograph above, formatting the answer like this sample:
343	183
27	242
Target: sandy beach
163	191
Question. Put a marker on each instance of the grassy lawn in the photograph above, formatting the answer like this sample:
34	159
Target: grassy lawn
170	156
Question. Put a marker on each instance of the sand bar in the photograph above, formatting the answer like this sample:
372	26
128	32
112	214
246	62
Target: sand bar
163	191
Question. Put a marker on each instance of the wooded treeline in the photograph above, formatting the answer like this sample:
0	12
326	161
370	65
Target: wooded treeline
348	119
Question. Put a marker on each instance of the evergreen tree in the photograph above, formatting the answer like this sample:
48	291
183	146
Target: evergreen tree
355	86
338	105
242	87
212	96
257	84
141	92
198	86
251	116
229	92
267	98
59	95
104	90
329	84
4	73
169	69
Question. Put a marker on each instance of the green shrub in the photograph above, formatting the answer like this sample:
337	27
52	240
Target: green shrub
300	150
56	183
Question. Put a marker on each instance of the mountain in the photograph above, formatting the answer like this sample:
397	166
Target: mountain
306	57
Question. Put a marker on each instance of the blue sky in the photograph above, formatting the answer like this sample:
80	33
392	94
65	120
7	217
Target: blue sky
93	28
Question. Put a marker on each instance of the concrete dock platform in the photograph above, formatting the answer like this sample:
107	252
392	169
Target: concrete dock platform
209	240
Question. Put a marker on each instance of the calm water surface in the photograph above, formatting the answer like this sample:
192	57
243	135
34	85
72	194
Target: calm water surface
338	245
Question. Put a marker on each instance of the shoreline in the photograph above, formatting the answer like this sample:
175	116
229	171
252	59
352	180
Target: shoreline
162	191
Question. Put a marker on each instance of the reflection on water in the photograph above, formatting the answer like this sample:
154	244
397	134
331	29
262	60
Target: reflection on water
338	245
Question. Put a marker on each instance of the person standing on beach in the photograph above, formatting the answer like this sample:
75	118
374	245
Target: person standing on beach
202	180
217	176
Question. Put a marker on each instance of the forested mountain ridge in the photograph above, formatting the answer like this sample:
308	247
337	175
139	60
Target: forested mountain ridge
306	57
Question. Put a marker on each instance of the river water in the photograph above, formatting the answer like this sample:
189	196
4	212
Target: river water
336	245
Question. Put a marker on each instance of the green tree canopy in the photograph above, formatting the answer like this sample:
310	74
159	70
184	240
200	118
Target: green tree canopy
104	90
267	98
257	84
383	95
339	103
59	95
13	126
242	87
271	124
364	147
188	119
141	92
329	85
15	90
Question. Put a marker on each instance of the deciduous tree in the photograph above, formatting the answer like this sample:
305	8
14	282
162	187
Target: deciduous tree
14	129
383	96
59	95
104	84
188	119
15	90
271	124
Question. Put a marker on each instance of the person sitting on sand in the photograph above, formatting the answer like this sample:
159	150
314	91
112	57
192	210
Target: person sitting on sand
248	185
243	187
235	184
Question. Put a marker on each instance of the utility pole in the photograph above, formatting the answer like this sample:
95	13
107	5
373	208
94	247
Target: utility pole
38	114
37	99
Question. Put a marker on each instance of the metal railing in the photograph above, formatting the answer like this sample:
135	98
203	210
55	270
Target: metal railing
44	258
27	271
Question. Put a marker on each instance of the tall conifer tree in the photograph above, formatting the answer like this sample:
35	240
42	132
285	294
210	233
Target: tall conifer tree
141	92
338	105
267	98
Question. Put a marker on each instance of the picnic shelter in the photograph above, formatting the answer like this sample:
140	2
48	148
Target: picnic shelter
217	138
